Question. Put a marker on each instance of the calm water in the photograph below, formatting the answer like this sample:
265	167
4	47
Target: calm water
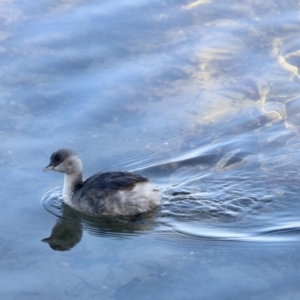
202	97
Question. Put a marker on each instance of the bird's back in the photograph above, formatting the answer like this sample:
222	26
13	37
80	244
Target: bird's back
115	193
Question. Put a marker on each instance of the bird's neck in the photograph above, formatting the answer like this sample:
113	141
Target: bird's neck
71	181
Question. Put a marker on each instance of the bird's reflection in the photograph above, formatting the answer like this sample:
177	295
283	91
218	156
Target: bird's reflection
65	235
67	232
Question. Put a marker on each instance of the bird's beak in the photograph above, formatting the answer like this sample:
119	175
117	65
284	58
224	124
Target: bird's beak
48	168
46	240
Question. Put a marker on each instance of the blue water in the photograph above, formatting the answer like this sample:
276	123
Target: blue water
202	97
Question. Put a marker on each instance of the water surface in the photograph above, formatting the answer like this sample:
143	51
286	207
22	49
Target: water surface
202	97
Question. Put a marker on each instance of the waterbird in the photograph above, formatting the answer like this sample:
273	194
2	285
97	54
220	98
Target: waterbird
103	194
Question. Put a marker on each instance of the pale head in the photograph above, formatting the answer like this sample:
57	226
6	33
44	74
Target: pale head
65	161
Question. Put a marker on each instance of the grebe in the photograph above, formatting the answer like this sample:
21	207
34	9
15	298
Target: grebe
103	194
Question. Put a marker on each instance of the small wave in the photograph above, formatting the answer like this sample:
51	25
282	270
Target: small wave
185	212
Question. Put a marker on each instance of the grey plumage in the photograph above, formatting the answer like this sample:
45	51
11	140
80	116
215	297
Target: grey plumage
106	194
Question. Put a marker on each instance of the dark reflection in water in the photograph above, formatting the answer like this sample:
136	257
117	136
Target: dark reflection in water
65	235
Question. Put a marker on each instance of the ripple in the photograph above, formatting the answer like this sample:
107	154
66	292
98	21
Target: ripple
187	213
232	184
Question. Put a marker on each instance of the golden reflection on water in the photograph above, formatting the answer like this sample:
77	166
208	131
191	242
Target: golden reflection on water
197	3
